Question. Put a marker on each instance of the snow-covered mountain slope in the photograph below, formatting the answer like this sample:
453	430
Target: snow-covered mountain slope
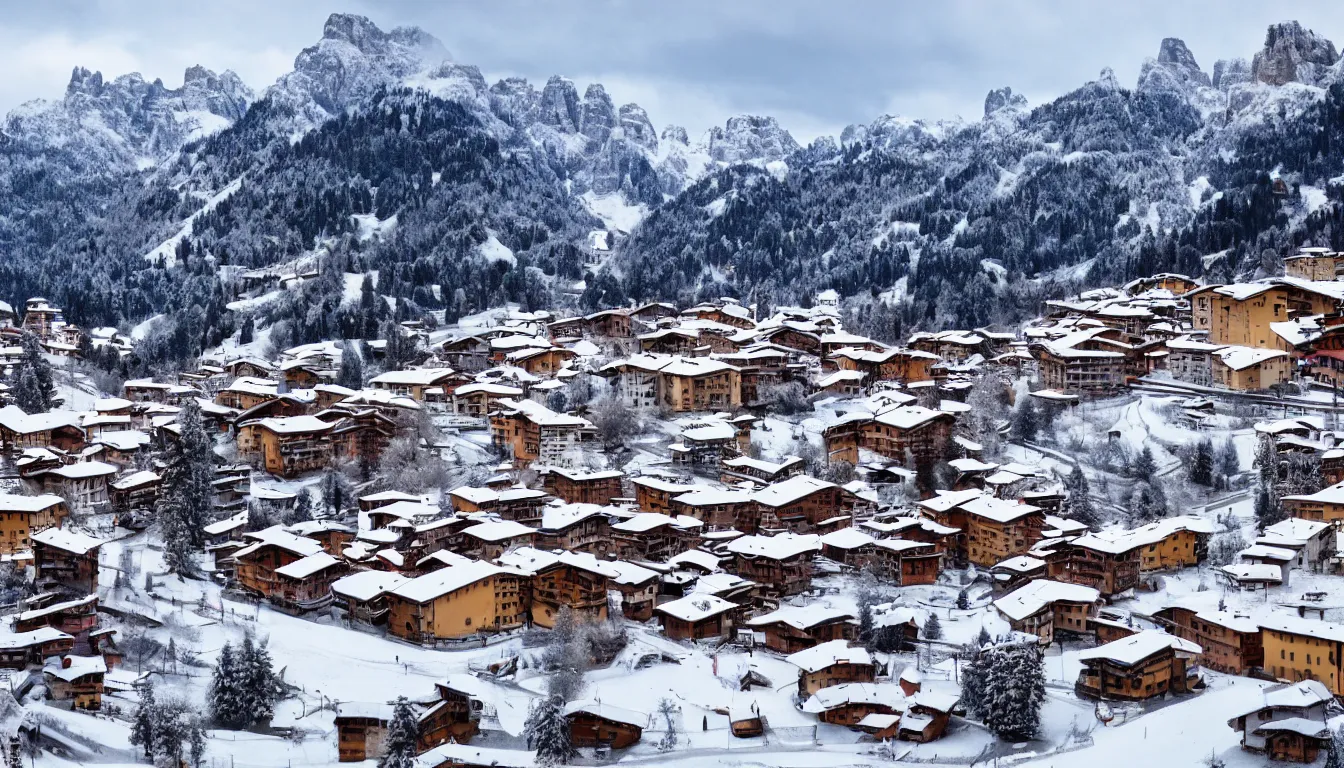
1243	162
1103	182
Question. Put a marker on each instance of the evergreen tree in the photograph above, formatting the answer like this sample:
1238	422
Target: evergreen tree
1009	690
1078	503
247	330
260	683
228	700
668	710
1267	461
34	389
302	511
1026	421
964	599
1144	467
1201	469
1268	510
1229	461
1334	750
1148	502
1304	474
351	373
142	727
179	734
933	628
187	503
403	733
865	597
547	732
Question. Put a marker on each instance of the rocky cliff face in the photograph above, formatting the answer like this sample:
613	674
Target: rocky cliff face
749	138
1293	53
128	123
999	98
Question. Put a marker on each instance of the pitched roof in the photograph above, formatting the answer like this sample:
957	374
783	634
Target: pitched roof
828	654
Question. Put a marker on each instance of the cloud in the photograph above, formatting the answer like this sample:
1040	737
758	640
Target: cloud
817	67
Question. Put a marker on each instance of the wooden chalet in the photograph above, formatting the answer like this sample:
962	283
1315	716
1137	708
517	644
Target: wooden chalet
363	594
697	616
653	536
1142	666
638	586
73	617
22	516
257	567
1046	608
791	629
849	704
804	504
594	724
1228	643
76	679
578	487
462	600
832	663
655	494
782	564
901	432
66	560
578	581
1290	723
20	650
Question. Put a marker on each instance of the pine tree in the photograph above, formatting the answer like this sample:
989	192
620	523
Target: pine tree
351	373
1334	750
1011	690
261	687
1229	461
34	389
247	330
1144	467
142	727
964	599
403	734
1078	503
547	732
226	699
1268	510
1026	421
933	628
187	503
302	510
668	710
1148	502
1267	461
1202	464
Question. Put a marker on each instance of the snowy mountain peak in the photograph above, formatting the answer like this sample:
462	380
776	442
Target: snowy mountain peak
1176	58
1230	72
352	60
746	138
675	134
1293	53
559	106
637	128
597	114
1003	97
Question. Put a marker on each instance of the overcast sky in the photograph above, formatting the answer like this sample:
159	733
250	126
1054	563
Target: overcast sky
817	66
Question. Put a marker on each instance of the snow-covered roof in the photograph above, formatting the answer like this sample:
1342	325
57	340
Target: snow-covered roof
696	557
841	695
453	753
801	617
291	425
279	536
846	538
1331	495
706	496
1020	564
1300	725
828	654
136	479
1040	594
498	530
69	668
642	522
790	490
435	584
608	712
14	640
996	509
778	547
308	566
12	502
67	540
226	525
1128	651
1296	625
1254	572
696	606
1240	358
367	585
630	574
